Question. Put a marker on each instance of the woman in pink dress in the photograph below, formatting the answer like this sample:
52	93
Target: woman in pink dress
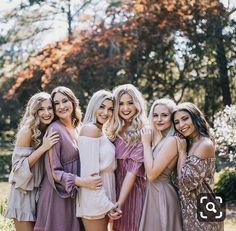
27	168
129	119
57	202
196	165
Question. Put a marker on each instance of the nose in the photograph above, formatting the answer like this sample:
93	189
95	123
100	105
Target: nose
181	123
105	111
159	118
47	112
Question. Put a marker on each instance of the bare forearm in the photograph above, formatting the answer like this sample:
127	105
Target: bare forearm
148	159
126	188
34	157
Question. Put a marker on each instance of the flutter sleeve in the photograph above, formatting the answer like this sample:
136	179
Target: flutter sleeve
22	176
193	173
135	160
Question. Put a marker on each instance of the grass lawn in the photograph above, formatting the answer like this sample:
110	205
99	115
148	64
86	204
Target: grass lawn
6	224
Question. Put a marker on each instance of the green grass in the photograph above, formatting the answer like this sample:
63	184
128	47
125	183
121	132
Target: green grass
7	224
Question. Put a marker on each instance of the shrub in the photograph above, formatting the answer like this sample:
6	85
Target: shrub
224	130
226	184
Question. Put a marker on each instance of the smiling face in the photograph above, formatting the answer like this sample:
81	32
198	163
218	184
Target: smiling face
45	112
162	118
127	108
63	106
104	112
184	124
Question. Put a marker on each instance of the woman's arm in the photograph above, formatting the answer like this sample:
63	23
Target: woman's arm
126	187
154	167
24	139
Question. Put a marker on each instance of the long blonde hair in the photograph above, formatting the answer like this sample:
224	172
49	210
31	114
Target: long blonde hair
132	135
30	117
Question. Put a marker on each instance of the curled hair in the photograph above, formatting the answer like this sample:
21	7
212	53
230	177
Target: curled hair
76	114
30	119
199	121
171	106
132	134
94	104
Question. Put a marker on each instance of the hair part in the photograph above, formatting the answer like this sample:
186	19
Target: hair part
138	121
76	114
94	104
198	119
30	118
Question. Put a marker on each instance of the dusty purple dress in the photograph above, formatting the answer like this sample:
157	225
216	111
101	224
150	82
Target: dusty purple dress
130	159
56	206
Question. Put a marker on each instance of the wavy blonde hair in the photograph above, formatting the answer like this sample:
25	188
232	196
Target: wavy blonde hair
30	117
171	106
132	134
76	114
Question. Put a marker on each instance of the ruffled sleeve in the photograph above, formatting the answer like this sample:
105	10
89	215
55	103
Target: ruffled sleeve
21	175
63	182
135	161
194	172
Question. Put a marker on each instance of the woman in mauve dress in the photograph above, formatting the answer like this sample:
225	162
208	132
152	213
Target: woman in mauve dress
161	209
57	202
128	120
196	167
97	156
27	167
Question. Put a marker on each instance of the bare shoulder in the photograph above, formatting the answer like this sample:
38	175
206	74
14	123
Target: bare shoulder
206	149
170	145
24	137
90	130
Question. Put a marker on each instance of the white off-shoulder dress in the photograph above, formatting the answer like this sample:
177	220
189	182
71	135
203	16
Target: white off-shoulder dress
25	182
97	155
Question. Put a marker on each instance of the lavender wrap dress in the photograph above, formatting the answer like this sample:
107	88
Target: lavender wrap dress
56	206
130	159
194	172
161	209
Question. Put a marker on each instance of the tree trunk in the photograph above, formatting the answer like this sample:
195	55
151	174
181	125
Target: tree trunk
222	64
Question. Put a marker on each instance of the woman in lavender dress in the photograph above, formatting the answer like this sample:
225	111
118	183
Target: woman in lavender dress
57	204
161	207
27	167
129	119
196	167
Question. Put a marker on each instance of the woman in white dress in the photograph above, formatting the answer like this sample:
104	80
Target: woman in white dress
97	156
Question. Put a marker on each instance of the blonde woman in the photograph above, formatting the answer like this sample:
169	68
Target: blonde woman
57	202
27	169
161	207
97	156
129	118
